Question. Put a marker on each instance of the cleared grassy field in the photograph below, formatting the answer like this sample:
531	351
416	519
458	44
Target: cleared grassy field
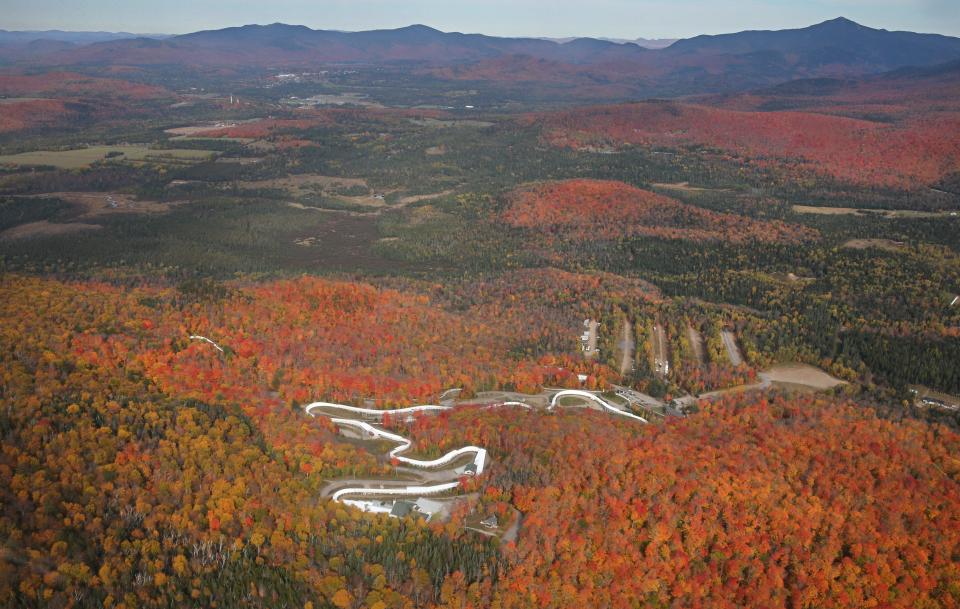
83	157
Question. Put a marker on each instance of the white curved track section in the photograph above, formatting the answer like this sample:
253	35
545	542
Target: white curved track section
404	444
372	411
595	398
404	491
204	338
520	404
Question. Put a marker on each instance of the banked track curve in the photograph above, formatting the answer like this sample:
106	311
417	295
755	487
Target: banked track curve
404	444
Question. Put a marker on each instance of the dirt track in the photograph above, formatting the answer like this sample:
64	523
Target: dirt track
661	354
696	342
626	347
733	352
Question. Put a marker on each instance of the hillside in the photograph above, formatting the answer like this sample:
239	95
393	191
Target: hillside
890	96
587	210
917	151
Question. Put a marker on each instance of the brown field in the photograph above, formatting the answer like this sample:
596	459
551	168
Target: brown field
802	374
45	229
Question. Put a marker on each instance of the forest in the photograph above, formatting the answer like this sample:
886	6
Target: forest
768	279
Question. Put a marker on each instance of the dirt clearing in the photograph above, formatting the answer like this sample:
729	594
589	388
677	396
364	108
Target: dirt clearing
802	374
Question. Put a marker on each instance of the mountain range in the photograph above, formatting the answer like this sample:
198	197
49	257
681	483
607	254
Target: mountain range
838	48
647	43
28	36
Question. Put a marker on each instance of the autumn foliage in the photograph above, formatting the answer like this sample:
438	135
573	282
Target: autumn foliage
787	503
72	85
21	115
58	98
914	152
602	209
141	469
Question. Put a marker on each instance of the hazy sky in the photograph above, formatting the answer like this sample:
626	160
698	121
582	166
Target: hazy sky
613	18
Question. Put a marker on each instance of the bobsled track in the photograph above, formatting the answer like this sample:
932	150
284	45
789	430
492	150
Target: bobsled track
353	488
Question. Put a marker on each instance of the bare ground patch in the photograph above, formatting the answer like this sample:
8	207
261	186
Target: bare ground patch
802	374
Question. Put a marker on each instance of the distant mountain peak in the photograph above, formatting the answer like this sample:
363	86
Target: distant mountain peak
419	27
841	22
842	19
